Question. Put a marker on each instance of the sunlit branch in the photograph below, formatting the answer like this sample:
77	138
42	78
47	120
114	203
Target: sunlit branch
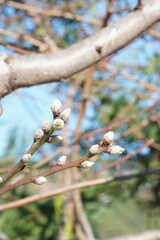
73	187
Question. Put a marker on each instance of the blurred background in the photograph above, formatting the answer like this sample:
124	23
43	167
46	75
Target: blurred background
120	93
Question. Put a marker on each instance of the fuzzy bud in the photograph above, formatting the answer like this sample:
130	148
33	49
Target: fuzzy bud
86	164
58	124
94	149
65	114
38	134
26	158
108	137
46	127
54	139
61	161
56	107
1	179
40	180
115	149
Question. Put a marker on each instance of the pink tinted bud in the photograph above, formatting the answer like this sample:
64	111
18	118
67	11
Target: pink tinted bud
56	107
65	114
38	134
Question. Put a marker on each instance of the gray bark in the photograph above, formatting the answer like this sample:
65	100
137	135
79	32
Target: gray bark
27	70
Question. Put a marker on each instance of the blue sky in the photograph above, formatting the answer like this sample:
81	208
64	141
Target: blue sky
25	109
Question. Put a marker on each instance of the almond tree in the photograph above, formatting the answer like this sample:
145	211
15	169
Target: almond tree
81	66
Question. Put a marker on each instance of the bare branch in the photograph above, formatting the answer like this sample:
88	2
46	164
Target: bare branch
52	170
73	187
56	12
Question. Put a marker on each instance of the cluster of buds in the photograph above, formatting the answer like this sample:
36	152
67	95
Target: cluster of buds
59	121
60	117
107	144
93	151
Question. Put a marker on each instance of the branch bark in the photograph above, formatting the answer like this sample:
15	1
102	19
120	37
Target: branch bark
28	70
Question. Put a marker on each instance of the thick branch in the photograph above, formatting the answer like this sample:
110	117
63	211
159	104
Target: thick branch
28	70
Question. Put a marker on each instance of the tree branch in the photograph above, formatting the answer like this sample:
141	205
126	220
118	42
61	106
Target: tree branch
52	170
148	235
28	70
73	187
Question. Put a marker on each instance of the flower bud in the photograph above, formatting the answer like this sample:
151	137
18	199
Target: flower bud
40	180
86	164
61	161
115	149
56	107
26	158
58	124
1	179
65	114
108	137
38	134
46	127
94	149
54	139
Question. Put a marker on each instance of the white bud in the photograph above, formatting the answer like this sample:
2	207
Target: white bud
115	150
108	137
40	180
65	114
38	134
61	161
56	107
46	126
26	158
86	164
58	124
1	179
94	149
54	139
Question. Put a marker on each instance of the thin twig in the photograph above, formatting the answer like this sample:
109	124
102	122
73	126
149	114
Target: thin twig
119	122
20	165
63	190
52	170
54	12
